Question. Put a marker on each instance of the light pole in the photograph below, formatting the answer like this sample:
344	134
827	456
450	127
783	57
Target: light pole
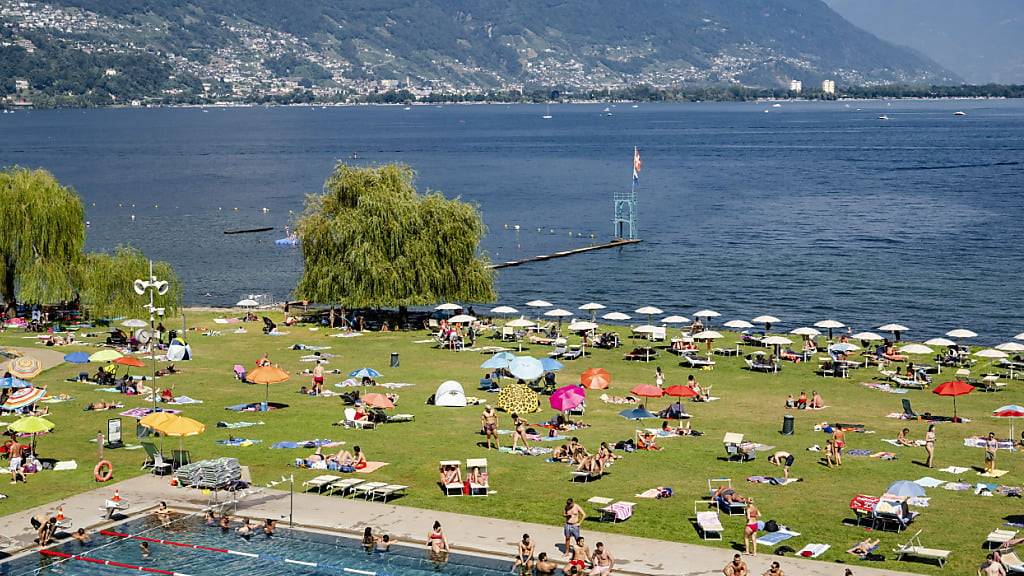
152	285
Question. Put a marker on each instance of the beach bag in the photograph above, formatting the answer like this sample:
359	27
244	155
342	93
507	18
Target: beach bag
346	468
771	526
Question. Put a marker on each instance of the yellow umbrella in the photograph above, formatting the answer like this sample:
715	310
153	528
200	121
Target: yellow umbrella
267	375
25	367
154	419
31	426
179	426
107	355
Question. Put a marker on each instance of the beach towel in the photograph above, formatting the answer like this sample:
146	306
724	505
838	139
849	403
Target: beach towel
992	474
621	511
58	399
918	501
895	442
772	480
108	389
393	385
929	482
233	425
238	442
954	469
813	550
858	452
957	486
184	400
884	455
65	465
655	493
533	451
348	335
978	442
348	383
371	467
883	388
318	443
981	489
140	412
773	538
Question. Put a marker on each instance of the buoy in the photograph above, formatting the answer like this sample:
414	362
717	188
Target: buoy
236	208
133	217
156	205
516	226
133	205
119	205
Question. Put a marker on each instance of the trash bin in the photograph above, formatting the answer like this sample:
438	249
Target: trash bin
787	425
394	359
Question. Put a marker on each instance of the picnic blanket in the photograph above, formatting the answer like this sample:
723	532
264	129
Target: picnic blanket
233	425
929	482
65	465
954	469
979	442
239	442
884	388
533	451
895	442
371	467
858	452
773	538
772	480
140	412
318	443
393	385
813	550
957	486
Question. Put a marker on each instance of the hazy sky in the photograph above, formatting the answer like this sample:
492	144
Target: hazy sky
980	40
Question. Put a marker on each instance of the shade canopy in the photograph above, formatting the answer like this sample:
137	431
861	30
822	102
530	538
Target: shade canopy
517	399
179	426
539	304
646	390
590	306
136	323
649	310
246	303
680	391
829	324
915	349
868	336
953	388
766	319
499	360
24	397
376	400
905	489
551	365
1009	411
991	353
568	398
645	329
939	342
1019	336
805	331
364	373
130	361
107	355
448	306
153	419
1010	347
267	375
616	316
638	413
24	367
675	319
707	335
504	310
961	333
843	347
462	319
582	325
894	327
558	313
76	358
706	314
777	341
738	324
10	382
30	426
520	323
596	379
526	368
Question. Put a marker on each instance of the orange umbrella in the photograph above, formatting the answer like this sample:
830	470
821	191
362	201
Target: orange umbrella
130	361
596	379
375	400
680	391
267	375
647	391
954	388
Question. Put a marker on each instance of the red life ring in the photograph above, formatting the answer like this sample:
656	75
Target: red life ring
107	471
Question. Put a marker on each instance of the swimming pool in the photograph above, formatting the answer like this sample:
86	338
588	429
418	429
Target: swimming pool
333	554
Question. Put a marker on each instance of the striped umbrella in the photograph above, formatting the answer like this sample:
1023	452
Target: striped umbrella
24	397
1011	411
24	367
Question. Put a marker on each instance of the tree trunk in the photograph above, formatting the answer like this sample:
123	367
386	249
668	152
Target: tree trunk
10	298
403	317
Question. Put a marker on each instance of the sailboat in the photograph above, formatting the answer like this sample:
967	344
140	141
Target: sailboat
959	113
547	113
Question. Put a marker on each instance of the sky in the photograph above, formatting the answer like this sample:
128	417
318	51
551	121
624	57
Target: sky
979	40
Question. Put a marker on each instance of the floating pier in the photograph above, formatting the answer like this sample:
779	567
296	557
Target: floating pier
613	244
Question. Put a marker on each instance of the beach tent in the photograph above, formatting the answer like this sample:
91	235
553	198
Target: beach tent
518	399
450	394
179	351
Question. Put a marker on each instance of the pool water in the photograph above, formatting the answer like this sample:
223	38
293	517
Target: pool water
340	555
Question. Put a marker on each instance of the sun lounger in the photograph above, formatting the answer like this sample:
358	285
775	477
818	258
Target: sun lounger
730	508
609	510
1013	563
321	482
915	549
697	362
384	492
1000	536
574	352
645	354
709	525
351	422
343	485
756	365
736	450
452	488
584	476
909	383
366	488
892	512
483	488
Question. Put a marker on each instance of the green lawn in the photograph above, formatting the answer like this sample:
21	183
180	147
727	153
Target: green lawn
530	489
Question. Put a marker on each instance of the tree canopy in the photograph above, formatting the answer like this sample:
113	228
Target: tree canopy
370	240
108	279
42	233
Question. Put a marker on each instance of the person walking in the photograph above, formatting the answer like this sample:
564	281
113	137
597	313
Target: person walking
929	445
318	379
750	530
659	377
574	516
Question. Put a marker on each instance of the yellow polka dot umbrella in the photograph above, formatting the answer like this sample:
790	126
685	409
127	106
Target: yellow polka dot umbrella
24	367
518	399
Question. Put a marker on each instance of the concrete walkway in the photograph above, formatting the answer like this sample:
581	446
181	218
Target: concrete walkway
410	526
48	357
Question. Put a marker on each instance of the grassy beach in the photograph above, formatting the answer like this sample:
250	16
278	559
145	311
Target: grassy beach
530	489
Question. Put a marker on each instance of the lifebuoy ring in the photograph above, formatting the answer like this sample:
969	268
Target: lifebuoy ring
103	471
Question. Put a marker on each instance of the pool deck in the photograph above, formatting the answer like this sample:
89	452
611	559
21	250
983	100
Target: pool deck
410	525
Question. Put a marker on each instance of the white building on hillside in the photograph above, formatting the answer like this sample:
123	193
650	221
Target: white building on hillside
828	86
796	86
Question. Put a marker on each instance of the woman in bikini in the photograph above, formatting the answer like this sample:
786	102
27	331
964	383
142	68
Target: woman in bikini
750	530
519	433
437	543
929	445
838	443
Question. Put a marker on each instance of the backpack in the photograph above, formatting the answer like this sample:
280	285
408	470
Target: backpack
771	526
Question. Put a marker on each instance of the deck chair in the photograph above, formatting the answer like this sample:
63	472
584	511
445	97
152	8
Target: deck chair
999	536
351	422
734	448
155	460
559	350
908	410
452	488
730	508
508	333
915	549
384	492
321	483
574	352
1013	563
366	488
343	485
709	525
180	458
697	362
474	488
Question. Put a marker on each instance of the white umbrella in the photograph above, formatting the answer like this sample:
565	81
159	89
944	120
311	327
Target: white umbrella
767	320
991	353
558	313
539	304
940	342
738	324
616	316
448	306
777	341
649	310
961	333
1010	347
829	325
916	349
520	323
504	310
592	307
582	325
706	335
675	320
134	323
805	331
869	336
1019	336
645	329
462	318
895	329
706	314
247	303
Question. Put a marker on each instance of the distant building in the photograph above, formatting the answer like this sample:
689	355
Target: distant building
828	86
21	85
796	86
110	72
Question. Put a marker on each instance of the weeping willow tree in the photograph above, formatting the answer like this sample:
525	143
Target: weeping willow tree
42	233
107	283
371	241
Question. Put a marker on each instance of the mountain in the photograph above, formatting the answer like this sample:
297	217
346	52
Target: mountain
980	41
247	47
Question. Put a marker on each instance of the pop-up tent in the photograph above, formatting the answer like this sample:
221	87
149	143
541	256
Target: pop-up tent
179	351
450	394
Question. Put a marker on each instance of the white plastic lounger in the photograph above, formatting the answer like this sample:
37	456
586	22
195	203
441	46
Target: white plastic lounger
476	489
1013	563
999	536
708	523
344	485
321	482
452	488
915	549
366	488
385	491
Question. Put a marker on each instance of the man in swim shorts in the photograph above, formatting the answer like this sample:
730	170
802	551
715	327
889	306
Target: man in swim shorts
736	568
489	424
573	517
603	561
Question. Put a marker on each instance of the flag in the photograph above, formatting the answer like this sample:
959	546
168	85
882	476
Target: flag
636	164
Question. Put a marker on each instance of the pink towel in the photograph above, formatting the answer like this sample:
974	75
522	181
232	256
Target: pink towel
621	511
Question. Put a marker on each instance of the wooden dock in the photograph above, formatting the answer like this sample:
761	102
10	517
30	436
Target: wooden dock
563	254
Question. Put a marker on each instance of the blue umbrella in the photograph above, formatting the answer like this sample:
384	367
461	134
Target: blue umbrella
497	361
12	382
638	413
551	365
526	368
364	373
905	488
76	358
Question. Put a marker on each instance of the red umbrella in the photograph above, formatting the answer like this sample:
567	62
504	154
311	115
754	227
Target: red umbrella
647	391
680	391
953	388
130	361
596	379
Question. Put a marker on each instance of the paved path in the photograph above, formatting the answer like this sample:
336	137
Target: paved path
410	525
48	357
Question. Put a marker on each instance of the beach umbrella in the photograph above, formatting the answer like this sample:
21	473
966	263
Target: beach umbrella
596	379
517	399
526	368
592	307
31	426
645	329
462	319
830	325
447	307
567	398
1010	347
939	342
520	323
1011	412
896	329
539	304
582	326
805	331
107	355
364	373
953	388
377	400
680	391
674	319
767	320
867	337
153	419
500	360
11	382
707	335
706	314
180	427
905	489
916	349
558	313
738	324
130	361
551	365
843	347
504	310
267	375
991	353
778	342
616	316
1019	336
649	311
24	397
638	413
76	358
24	367
134	323
244	303
961	333
646	391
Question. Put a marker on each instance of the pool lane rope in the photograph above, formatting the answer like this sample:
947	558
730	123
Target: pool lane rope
265	557
66	556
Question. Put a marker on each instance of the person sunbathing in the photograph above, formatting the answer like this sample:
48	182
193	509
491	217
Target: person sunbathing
561	454
801	401
101	406
605	454
608	399
476	476
903	438
450	475
817	402
646	441
680	430
729	495
864	547
591	465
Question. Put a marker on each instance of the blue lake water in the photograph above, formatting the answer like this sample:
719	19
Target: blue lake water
811	210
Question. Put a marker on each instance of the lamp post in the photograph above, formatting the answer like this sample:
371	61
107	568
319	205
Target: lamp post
152	285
